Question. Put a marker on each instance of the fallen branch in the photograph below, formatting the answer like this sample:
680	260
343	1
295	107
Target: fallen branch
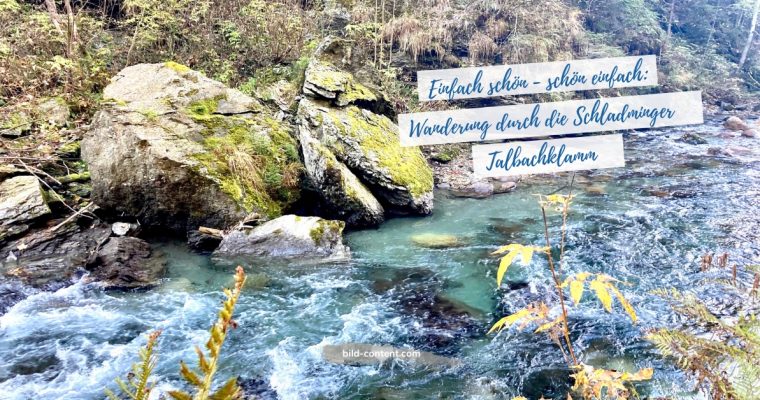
71	217
211	231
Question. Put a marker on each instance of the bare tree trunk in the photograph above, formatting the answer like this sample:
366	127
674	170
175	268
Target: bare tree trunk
751	35
670	17
390	44
72	35
50	5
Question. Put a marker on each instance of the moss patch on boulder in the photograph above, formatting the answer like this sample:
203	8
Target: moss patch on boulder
377	139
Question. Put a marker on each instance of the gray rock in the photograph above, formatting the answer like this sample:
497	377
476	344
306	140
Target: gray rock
21	202
50	259
750	133
361	354
126	263
9	171
288	237
692	138
202	242
176	149
345	197
735	124
476	189
124	228
15	122
503	186
54	111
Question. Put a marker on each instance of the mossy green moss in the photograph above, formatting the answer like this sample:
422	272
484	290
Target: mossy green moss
378	139
181	69
327	77
325	225
253	159
203	110
354	92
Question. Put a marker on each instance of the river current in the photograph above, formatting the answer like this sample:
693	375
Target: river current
647	224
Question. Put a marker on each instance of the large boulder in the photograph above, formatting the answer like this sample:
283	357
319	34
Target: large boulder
287	238
368	144
21	202
176	149
345	196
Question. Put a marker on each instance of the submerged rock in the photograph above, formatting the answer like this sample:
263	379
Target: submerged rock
178	150
361	354
477	189
436	241
21	202
126	263
692	138
288	237
368	145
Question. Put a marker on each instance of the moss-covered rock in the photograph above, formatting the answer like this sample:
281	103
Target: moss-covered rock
286	238
369	146
176	149
325	80
345	196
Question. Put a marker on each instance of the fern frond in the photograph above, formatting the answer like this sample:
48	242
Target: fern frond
140	375
207	364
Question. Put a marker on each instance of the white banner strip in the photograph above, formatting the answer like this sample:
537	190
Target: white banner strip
548	156
549	77
546	119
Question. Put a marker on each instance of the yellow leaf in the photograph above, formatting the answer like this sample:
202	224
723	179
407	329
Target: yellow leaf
526	254
626	305
576	290
548	325
504	249
509	320
600	288
506	261
643	375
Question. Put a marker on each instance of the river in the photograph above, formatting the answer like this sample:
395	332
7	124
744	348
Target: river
647	224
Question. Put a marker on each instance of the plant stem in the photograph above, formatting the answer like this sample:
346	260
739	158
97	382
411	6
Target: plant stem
557	284
564	224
